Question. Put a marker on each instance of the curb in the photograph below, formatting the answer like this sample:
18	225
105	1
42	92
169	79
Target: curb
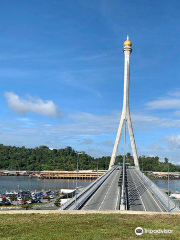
65	212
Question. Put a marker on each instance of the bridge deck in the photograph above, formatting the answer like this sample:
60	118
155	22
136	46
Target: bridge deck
140	196
107	195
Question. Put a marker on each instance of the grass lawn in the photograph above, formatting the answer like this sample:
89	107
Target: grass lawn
86	227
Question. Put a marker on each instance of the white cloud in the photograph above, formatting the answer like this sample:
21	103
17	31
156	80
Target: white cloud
87	141
145	121
170	101
155	147
76	79
32	105
174	93
176	113
94	152
86	126
173	141
166	103
108	143
91	57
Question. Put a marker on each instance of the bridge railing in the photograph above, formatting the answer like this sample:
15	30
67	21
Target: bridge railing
165	200
81	197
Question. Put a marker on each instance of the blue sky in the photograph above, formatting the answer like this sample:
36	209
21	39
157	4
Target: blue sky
61	74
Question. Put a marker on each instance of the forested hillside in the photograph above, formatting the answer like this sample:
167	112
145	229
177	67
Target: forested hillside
42	158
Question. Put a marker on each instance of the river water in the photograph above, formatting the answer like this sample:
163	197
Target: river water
11	183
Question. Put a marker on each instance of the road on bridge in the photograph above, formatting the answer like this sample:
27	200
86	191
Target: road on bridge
107	196
140	196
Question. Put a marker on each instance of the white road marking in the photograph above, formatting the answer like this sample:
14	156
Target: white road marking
117	198
138	191
148	191
108	191
95	193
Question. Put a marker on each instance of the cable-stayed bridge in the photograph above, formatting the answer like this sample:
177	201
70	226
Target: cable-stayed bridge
123	188
141	194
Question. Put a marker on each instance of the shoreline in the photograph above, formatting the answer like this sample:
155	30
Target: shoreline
79	179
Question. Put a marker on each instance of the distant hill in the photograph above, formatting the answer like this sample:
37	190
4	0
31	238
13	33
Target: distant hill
42	158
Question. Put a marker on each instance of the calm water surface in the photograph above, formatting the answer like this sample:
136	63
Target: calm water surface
173	184
10	183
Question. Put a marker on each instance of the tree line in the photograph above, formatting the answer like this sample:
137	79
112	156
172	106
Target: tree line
42	158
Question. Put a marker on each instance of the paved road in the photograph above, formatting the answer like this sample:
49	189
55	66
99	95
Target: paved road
107	196
47	205
140	196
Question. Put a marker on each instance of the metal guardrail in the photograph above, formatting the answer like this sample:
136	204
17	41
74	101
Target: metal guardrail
77	201
165	200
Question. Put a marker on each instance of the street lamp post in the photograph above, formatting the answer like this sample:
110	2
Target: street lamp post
142	169
123	203
175	191
175	186
68	188
168	188
77	170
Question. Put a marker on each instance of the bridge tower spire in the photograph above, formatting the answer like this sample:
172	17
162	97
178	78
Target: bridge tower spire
125	117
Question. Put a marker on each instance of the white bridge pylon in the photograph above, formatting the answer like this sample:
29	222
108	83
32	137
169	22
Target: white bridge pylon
125	111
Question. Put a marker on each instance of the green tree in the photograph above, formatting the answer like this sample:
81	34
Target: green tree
57	203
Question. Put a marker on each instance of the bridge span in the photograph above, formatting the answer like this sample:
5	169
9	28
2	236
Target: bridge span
141	194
